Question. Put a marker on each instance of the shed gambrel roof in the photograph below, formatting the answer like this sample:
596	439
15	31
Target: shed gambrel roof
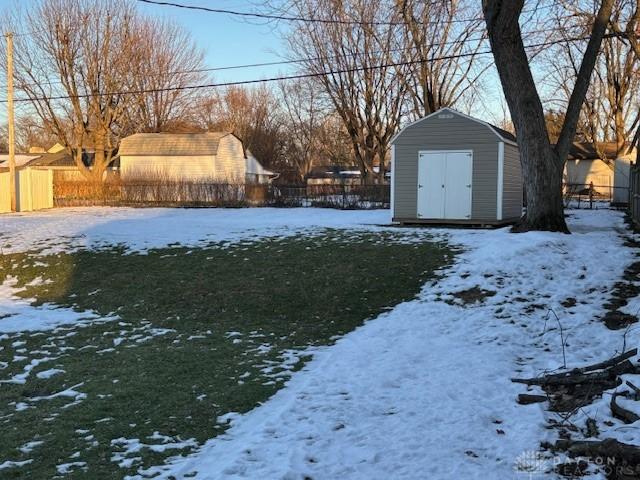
181	144
502	134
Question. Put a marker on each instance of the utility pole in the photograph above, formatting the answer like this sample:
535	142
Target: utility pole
12	139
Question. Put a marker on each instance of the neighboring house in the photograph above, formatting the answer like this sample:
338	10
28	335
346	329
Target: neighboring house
58	147
21	159
63	165
199	157
339	175
588	163
334	175
451	168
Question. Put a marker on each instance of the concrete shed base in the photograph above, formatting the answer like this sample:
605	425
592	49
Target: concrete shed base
455	223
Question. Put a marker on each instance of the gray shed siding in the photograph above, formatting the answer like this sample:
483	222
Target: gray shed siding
512	195
457	133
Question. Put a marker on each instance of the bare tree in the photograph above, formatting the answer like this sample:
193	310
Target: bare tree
164	62
335	144
71	69
631	33
611	112
305	112
80	63
251	114
542	163
442	64
354	63
30	133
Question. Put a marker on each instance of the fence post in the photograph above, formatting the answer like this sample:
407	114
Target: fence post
344	196
632	189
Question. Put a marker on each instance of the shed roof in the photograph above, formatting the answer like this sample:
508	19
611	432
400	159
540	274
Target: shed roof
172	143
502	134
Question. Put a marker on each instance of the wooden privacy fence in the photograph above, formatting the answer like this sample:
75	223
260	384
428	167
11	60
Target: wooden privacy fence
203	194
34	190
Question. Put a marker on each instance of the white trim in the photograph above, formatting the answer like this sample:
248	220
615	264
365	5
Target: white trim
452	150
392	201
505	140
500	186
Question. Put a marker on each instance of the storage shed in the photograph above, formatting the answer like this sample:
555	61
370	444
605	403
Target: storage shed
451	168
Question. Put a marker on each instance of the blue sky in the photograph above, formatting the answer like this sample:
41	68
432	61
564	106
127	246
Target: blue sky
225	39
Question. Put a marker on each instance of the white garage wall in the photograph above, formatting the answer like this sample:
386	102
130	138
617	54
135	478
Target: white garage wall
584	172
194	168
230	161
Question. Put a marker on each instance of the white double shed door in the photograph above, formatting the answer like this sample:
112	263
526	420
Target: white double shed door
444	184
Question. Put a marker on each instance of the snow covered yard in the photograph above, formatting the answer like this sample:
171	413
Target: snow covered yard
420	391
115	355
423	391
140	229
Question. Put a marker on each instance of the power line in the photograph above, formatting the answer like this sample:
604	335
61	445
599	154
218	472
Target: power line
284	62
29	33
284	77
278	62
288	18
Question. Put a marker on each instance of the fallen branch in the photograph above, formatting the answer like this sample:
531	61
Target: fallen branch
566	379
592	373
527	399
627	416
634	388
608	363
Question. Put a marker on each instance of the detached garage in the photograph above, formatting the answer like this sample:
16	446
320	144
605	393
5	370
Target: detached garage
212	157
451	168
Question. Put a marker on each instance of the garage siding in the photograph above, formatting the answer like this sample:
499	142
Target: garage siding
512	195
455	133
161	167
231	164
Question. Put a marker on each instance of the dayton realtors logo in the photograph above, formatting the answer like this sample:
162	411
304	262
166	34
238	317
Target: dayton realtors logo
532	463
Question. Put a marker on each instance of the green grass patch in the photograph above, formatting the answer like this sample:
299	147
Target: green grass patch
201	332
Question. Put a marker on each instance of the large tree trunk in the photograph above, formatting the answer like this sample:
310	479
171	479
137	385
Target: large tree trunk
100	158
542	164
541	169
543	186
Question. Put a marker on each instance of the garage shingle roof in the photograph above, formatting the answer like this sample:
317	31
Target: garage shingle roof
172	143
